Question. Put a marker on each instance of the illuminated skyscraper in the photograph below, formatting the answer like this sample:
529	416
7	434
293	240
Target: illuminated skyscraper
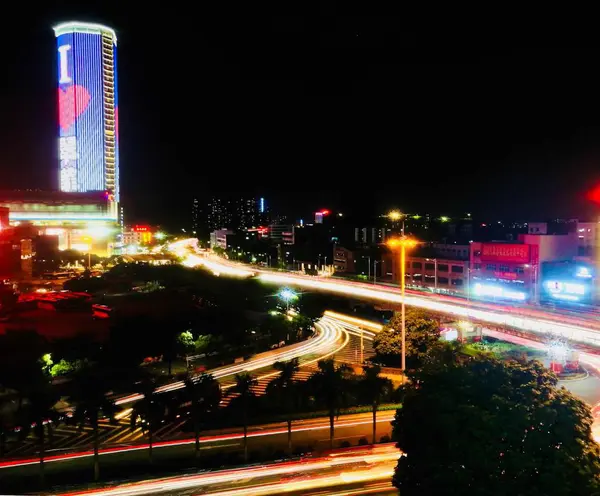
88	108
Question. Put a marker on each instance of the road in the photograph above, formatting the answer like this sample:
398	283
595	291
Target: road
125	461
334	338
366	470
584	328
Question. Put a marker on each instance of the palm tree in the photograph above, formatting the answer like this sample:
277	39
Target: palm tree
4	429
375	388
244	387
330	384
204	393
283	387
41	414
150	410
91	404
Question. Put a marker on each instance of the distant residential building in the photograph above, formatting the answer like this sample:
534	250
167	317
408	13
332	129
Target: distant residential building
282	233
588	238
437	274
227	212
370	235
138	235
219	238
451	251
343	260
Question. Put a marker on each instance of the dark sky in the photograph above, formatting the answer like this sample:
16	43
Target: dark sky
436	115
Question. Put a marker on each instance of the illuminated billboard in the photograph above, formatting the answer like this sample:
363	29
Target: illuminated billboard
87	108
505	252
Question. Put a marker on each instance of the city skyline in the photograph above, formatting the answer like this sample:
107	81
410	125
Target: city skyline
265	112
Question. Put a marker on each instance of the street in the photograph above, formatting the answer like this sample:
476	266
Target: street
307	435
365	470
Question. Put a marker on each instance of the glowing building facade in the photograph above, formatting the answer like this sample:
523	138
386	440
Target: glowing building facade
88	109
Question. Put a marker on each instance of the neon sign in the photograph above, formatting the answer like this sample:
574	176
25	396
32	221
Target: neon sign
67	147
565	290
87	105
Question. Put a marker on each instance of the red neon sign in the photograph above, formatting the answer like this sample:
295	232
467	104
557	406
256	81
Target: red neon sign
505	252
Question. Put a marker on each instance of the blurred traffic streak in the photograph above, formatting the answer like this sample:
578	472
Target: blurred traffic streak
313	425
329	337
537	321
346	467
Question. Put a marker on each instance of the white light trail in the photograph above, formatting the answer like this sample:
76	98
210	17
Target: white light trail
328	333
378	460
505	319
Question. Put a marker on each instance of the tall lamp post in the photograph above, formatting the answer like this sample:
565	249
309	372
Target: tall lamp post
401	244
88	239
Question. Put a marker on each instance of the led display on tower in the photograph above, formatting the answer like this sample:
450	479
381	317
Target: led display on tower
88	108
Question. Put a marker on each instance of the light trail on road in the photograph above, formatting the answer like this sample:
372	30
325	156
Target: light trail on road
328	334
502	316
339	468
317	425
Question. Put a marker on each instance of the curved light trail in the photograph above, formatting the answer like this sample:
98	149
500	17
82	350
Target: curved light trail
328	334
341	468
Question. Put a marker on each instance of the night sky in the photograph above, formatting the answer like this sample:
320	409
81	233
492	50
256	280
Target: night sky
441	116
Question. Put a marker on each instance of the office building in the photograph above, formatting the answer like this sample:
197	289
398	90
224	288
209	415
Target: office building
88	108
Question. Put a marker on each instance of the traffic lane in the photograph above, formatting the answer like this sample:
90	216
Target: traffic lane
558	316
353	466
310	435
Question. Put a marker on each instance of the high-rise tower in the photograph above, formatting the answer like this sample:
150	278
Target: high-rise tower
88	108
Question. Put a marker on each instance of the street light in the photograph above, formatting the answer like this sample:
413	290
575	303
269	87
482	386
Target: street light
395	216
287	295
402	244
88	239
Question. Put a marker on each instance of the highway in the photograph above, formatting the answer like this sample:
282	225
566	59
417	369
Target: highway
333	338
330	337
582	329
123	462
365	470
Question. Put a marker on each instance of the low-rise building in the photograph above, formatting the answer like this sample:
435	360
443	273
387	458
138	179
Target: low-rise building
343	260
218	238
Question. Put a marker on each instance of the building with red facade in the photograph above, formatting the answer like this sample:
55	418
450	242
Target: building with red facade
512	271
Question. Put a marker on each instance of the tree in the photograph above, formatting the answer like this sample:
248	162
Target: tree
4	428
481	426
204	393
375	388
185	344
90	388
150	411
283	388
422	335
330	385
244	387
41	414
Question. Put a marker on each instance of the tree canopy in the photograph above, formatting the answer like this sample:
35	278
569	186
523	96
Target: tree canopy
484	426
422	335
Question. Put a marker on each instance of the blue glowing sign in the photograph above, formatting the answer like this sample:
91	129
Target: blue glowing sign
565	290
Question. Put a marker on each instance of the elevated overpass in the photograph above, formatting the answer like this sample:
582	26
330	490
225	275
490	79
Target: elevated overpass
580	330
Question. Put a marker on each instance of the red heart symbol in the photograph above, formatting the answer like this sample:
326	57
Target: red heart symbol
71	104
